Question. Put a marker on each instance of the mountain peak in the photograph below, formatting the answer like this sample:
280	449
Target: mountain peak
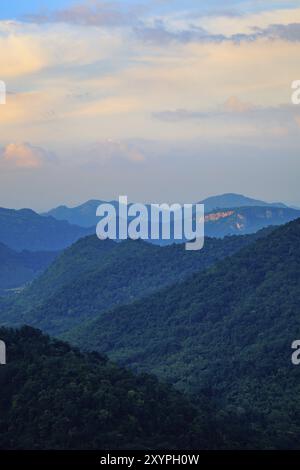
233	200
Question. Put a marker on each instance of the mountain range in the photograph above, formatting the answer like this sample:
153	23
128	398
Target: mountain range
227	214
243	220
84	215
229	200
228	329
19	268
214	326
92	276
26	230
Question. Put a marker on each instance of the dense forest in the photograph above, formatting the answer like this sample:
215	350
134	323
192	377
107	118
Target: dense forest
24	229
17	269
55	397
216	329
243	220
92	276
229	329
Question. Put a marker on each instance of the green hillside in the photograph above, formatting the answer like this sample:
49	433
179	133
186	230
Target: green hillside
229	329
26	230
54	397
16	269
93	276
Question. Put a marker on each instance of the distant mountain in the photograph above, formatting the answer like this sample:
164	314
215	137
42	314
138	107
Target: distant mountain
54	397
245	220
16	269
229	214
93	276
229	200
26	230
229	329
85	214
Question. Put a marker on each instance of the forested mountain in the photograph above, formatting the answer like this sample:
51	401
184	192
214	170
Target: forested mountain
243	220
220	220
232	200
26	230
16	269
93	276
54	397
85	214
229	329
223	335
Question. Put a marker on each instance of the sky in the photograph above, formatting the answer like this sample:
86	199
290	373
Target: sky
161	100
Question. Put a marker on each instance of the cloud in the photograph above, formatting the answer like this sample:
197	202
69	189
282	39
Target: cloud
24	155
212	26
239	118
75	83
160	34
28	49
297	120
115	105
179	115
231	106
235	105
108	150
78	92
182	26
20	53
289	32
92	13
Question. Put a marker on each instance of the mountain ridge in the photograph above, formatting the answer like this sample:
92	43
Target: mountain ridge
233	200
229	328
55	397
19	268
92	276
24	229
85	214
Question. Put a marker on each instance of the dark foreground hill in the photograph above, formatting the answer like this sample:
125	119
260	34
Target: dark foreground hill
16	269
26	230
93	276
54	397
229	329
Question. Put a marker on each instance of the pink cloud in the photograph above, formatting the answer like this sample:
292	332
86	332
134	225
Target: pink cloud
23	155
235	105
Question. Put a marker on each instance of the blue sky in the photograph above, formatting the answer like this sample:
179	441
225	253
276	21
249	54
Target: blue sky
15	9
